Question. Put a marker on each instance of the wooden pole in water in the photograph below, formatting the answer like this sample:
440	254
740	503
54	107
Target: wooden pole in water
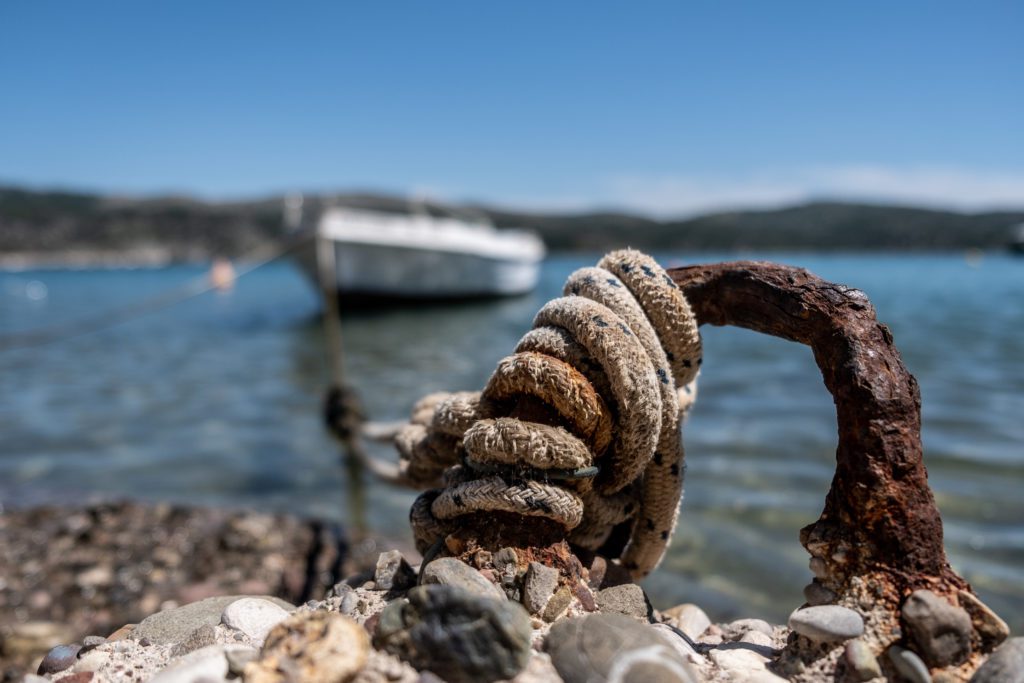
341	410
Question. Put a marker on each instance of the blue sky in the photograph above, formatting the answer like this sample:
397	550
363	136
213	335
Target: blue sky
667	108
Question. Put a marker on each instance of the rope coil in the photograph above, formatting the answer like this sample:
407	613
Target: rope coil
580	425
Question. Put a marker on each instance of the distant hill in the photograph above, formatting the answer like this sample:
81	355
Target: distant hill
40	223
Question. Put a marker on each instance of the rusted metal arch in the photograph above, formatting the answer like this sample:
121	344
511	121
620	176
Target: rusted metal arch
880	515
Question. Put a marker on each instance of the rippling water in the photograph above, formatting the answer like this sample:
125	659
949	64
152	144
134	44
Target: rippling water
216	401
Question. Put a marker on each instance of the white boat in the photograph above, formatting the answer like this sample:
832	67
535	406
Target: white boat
376	257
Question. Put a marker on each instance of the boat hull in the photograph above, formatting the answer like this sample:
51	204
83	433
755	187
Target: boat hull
371	273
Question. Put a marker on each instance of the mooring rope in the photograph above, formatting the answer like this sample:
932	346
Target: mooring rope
581	425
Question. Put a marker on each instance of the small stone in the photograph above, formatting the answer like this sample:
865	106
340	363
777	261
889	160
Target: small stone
311	646
861	660
122	632
91	643
538	586
628	599
596	573
393	573
757	638
238	656
987	623
459	635
58	659
827	623
909	665
558	603
737	629
448	571
205	663
939	632
1006	665
614	648
817	594
818	568
77	677
254	617
690	619
203	636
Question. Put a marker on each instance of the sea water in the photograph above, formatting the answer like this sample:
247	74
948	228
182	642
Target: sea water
216	401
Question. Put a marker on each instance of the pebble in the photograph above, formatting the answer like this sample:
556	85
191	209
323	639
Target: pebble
205	663
203	636
690	619
448	571
91	643
628	599
58	659
174	625
817	594
557	605
861	660
1006	665
939	632
238	657
538	586
614	648
393	572
459	635
739	628
909	665
311	646
987	623
254	617
739	661
827	623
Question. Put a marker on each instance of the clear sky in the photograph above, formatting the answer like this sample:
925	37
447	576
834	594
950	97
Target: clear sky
668	108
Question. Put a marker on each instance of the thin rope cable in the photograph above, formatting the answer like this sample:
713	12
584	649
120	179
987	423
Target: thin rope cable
107	319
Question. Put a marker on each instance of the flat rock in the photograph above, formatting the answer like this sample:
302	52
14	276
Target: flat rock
254	617
393	572
448	571
311	646
690	619
937	631
459	635
827	623
539	585
203	636
1006	665
628	599
174	625
614	648
909	665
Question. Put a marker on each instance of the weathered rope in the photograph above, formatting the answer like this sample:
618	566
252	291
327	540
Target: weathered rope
613	367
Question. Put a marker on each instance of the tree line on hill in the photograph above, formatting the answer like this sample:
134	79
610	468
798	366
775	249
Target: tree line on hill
187	229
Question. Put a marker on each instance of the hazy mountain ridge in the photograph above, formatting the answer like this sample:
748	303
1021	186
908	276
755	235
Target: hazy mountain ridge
183	228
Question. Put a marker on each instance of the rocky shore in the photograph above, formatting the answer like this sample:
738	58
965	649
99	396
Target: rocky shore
132	593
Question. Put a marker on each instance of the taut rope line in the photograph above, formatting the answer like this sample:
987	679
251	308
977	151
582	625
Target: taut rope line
607	374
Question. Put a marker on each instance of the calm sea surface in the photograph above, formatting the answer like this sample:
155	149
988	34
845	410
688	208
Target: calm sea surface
216	401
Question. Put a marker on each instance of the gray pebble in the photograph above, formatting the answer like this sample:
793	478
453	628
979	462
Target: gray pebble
448	571
827	623
939	632
393	573
628	599
817	594
614	648
461	636
1006	665
739	628
238	656
862	660
538	586
254	617
58	659
174	625
909	665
